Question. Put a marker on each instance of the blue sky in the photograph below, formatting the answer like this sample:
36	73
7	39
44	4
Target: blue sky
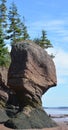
53	17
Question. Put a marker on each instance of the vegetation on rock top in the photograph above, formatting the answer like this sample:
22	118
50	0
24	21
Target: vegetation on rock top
13	29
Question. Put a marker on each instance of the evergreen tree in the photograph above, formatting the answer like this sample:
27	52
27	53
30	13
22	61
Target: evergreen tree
17	30
3	25
4	54
14	30
37	41
44	42
3	18
25	34
3	15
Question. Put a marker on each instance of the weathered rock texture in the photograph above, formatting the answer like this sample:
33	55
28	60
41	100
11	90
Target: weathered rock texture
31	73
6	94
3	75
37	119
3	89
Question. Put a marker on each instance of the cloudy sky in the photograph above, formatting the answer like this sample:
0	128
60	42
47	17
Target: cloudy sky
52	16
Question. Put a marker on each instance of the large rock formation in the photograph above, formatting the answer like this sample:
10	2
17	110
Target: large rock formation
31	73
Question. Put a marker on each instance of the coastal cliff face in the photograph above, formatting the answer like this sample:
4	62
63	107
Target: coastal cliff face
31	72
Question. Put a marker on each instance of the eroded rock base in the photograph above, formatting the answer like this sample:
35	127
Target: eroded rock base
36	118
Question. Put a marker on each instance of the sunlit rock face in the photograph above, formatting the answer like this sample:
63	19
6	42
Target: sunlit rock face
31	73
3	75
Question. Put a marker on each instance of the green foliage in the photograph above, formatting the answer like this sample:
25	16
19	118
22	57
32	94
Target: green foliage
14	24
25	35
4	54
17	30
43	41
3	15
37	41
14	31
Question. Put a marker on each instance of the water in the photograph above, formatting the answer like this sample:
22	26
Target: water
59	114
57	111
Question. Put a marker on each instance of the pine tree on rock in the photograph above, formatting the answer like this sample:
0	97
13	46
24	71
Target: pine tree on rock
44	42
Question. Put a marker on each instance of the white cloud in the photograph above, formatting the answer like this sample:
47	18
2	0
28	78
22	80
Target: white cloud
61	60
50	24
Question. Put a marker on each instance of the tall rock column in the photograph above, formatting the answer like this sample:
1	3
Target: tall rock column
31	73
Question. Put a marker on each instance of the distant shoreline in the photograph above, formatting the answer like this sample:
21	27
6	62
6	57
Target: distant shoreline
58	114
56	107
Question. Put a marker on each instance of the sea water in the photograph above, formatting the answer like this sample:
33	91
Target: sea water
59	114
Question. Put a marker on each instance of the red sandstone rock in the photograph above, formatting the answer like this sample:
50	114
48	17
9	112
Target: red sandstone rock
3	80
3	75
31	73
